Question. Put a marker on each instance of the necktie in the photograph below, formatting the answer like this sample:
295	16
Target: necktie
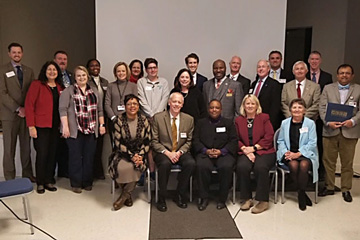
298	90
274	75
20	75
66	81
313	77
232	78
218	84
346	87
174	135
257	91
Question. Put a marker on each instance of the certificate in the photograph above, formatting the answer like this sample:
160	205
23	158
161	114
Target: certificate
338	112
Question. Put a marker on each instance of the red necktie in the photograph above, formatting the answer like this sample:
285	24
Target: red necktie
218	84
298	90
258	88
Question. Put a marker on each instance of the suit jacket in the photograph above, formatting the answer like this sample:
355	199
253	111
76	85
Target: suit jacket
270	100
230	94
331	94
12	95
311	96
219	135
103	83
325	78
162	136
200	80
245	83
262	131
307	143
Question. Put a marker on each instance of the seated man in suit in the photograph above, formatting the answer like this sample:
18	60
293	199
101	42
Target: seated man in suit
316	74
235	65
215	144
276	72
340	138
227	91
172	133
268	91
301	88
192	63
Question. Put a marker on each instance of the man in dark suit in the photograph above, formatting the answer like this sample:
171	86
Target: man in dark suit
62	152
227	91
61	58
269	94
93	66
172	133
192	63
15	80
235	65
316	74
276	72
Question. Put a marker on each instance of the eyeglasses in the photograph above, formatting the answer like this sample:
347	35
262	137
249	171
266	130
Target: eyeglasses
152	68
132	104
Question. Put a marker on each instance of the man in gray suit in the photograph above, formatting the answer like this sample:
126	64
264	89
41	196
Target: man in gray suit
15	80
172	133
340	138
227	91
301	88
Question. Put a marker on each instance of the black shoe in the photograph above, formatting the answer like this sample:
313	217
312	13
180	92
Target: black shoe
40	189
324	192
180	202
347	196
129	202
161	205
302	200
32	179
50	187
220	205
337	189
202	203
308	200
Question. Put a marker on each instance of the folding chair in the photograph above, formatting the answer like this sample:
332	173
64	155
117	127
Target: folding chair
19	187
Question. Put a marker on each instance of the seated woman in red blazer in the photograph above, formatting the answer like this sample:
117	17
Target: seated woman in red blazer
43	121
256	153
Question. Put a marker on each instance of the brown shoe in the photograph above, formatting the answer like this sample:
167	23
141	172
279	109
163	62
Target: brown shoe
260	207
128	202
246	205
32	179
119	203
76	190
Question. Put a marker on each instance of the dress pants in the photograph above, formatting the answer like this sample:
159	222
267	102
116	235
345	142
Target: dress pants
345	147
45	145
261	167
98	167
81	158
163	163
11	129
62	158
225	167
319	129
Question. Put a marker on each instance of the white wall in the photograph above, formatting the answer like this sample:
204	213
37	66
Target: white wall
170	30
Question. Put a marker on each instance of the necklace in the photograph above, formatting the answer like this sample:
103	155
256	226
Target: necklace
250	122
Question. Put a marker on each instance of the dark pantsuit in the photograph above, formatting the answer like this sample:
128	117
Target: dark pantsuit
11	129
319	129
45	145
81	158
98	167
62	158
225	167
261	166
163	164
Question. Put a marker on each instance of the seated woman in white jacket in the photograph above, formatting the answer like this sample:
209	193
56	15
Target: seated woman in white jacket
297	149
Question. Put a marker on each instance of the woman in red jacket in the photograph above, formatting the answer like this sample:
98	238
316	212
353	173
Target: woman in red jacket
43	121
257	153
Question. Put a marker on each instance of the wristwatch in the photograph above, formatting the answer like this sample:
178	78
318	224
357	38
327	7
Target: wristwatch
255	148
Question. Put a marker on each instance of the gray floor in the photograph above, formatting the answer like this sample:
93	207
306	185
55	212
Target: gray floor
71	216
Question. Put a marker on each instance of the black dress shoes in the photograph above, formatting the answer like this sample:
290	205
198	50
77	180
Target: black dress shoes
347	196
180	202
40	189
325	192
50	187
202	203
308	200
302	200
220	205
161	205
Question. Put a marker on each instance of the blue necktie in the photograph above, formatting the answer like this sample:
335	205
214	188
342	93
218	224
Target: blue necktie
20	75
313	77
344	87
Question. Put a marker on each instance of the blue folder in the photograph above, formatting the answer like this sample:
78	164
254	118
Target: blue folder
338	112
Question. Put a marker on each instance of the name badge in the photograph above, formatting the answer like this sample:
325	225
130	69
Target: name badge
303	130
182	135
220	129
282	80
251	90
352	103
121	107
148	88
229	94
10	74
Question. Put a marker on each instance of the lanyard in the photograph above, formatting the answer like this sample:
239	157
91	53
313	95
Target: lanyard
121	94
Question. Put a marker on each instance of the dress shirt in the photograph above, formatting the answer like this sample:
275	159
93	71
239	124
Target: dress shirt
302	85
221	81
98	85
194	78
234	77
277	74
177	122
317	75
15	65
262	84
343	94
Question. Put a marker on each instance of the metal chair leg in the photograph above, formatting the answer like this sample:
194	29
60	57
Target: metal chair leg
234	187
28	213
148	185
156	185
191	189
276	187
282	186
316	191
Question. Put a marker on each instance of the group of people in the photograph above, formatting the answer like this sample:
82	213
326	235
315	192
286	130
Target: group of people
225	124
